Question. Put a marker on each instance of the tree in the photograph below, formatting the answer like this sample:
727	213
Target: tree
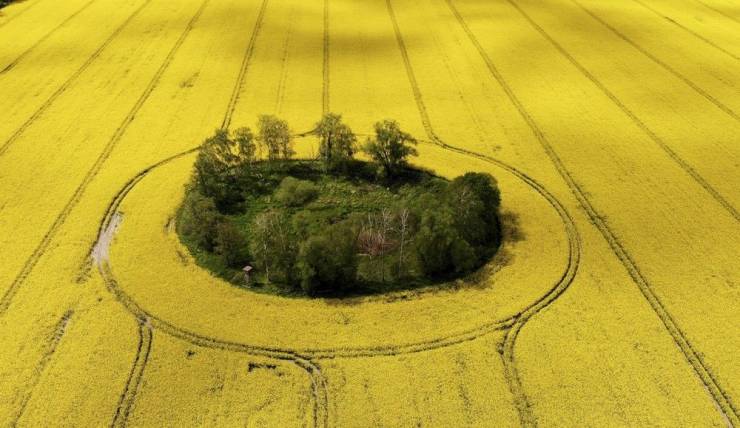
219	166
212	163
476	200
336	141
403	230
273	245
231	244
244	140
199	219
464	257
375	238
391	147
328	261
274	135
433	240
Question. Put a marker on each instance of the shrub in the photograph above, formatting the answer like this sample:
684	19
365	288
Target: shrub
464	257
199	219
327	262
293	192
231	244
433	240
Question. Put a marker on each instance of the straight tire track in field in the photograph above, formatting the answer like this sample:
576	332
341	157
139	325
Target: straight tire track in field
630	114
312	355
6	145
146	322
719	11
325	67
521	401
133	382
658	61
40	368
685	28
45	37
244	68
720	397
19	13
72	202
306	357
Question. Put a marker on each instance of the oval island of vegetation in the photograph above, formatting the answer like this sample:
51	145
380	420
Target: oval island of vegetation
332	226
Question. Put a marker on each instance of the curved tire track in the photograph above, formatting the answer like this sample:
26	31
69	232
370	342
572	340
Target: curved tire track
694	358
306	358
521	401
72	202
69	81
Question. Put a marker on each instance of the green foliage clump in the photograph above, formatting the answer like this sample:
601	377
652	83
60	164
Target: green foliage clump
231	244
273	247
293	192
328	261
334	226
336	142
274	135
390	148
199	219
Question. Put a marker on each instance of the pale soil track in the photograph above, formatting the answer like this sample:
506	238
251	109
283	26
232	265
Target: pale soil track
147	322
61	217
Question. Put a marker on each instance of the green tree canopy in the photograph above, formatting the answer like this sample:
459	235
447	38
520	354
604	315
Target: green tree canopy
274	135
391	147
328	261
336	140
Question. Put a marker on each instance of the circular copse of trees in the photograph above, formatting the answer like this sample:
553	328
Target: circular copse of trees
335	225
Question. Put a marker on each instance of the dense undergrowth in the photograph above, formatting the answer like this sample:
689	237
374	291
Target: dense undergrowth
337	225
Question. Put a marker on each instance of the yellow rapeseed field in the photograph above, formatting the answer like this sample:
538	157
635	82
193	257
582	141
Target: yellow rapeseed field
613	129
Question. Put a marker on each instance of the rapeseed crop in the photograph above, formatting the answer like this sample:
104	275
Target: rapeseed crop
612	129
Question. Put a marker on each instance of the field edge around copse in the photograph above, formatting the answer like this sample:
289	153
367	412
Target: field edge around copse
139	236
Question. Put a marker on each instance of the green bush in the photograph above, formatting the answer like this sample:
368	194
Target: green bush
231	244
199	219
293	192
328	262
